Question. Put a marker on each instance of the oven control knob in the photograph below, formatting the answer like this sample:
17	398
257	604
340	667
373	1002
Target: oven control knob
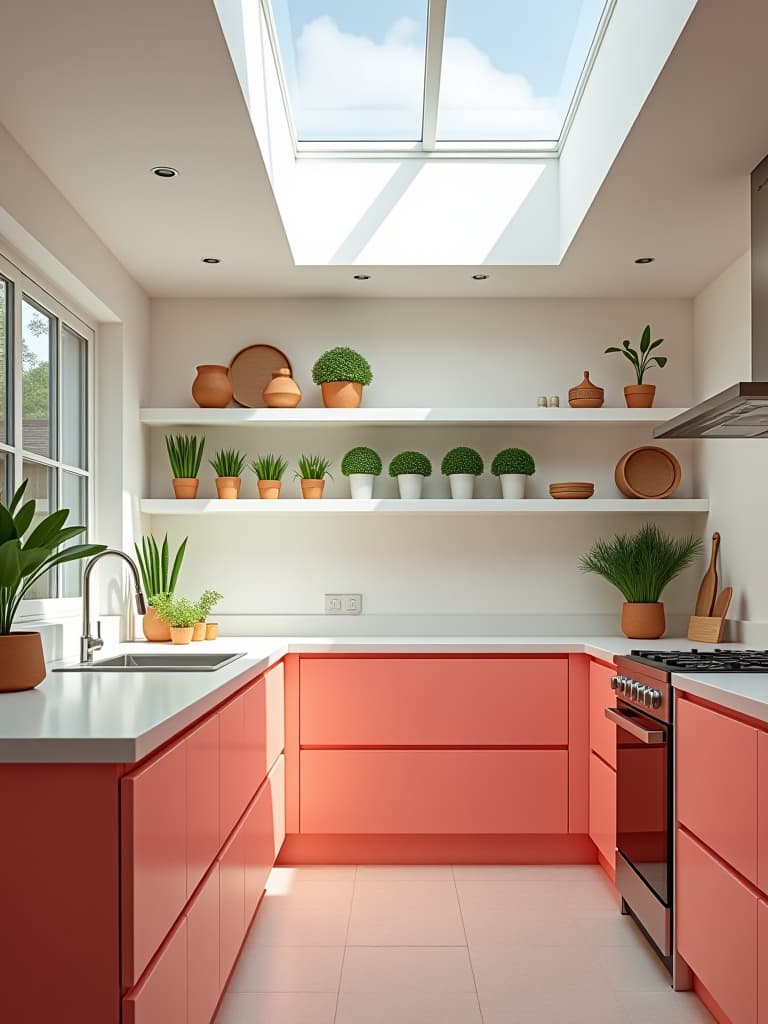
641	692
626	686
635	691
615	680
655	699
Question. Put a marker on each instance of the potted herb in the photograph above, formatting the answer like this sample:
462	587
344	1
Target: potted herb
513	466
410	469
205	606
181	614
641	565
342	374
362	466
313	469
158	576
640	396
461	466
228	464
185	453
269	469
27	553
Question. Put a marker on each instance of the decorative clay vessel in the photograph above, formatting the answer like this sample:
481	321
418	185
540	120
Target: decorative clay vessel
212	388
282	392
643	621
22	664
342	394
586	395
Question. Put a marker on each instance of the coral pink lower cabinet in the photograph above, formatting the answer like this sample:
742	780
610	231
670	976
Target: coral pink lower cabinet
602	808
161	995
203	976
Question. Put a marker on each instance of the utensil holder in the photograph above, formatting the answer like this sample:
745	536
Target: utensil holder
706	629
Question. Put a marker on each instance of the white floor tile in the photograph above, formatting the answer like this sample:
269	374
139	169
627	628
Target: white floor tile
426	1007
503	971
312	916
556	1004
404	872
407	969
288	969
283	881
635	969
405	913
276	1008
527	872
669	1008
606	928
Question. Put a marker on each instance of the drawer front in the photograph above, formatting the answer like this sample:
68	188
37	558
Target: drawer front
203	982
602	808
161	997
264	724
762	960
762	813
434	701
231	903
602	733
236	784
264	835
434	791
202	800
717	784
717	922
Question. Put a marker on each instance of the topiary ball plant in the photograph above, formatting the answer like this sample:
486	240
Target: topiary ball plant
342	373
462	460
513	461
407	463
361	460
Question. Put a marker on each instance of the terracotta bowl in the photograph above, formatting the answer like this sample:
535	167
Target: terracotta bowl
648	472
572	489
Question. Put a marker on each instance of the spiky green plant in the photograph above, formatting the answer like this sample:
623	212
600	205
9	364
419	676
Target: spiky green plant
462	460
640	565
207	602
313	467
158	576
342	364
643	359
228	462
185	453
269	467
410	462
361	460
513	460
179	612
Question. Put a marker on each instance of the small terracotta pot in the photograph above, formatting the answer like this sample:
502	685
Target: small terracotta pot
342	394
211	630
312	488
639	396
586	395
270	488
228	487
156	631
22	665
282	392
643	621
181	634
212	388
198	632
184	487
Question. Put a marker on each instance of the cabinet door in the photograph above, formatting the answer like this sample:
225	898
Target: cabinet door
161	996
154	856
602	808
762	960
264	835
202	800
762	813
265	723
602	733
717	784
203	983
231	903
236	785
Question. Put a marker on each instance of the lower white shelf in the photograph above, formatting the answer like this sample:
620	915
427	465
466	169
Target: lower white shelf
424	506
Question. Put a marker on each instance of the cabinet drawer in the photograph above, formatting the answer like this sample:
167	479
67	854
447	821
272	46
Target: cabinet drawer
434	791
602	733
434	701
717	784
231	902
717	929
161	996
762	813
264	835
236	787
264	724
762	960
203	982
602	808
202	800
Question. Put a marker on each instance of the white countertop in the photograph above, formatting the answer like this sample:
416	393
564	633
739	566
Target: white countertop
121	717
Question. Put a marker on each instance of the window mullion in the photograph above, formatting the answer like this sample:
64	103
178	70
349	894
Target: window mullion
432	71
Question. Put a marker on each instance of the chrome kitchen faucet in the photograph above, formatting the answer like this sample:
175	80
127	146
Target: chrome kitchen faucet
88	643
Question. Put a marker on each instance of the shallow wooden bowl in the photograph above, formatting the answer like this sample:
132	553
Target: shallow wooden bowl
648	472
572	489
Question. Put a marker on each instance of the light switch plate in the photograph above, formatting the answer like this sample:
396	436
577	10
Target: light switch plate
343	604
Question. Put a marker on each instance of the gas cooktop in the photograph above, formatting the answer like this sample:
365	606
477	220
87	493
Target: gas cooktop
716	660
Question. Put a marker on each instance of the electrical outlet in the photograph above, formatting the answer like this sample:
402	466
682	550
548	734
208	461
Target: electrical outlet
343	604
353	604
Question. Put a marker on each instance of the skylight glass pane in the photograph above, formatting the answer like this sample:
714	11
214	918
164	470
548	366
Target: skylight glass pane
511	67
355	70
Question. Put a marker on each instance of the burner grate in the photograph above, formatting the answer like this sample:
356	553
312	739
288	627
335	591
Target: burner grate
716	660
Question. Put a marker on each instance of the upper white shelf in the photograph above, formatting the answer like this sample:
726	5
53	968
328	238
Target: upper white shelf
194	417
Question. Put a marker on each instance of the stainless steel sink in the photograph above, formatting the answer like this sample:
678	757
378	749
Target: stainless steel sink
160	662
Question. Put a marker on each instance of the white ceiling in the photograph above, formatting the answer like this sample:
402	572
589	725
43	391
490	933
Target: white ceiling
99	91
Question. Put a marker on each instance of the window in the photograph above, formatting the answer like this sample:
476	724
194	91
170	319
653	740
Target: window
45	356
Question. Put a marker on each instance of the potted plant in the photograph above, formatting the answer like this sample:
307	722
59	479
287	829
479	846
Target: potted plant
313	469
185	453
641	565
180	613
410	468
269	469
640	396
26	555
362	466
342	374
206	630
461	466
158	576
513	466
228	464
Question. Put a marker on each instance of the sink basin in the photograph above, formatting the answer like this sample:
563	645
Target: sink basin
160	662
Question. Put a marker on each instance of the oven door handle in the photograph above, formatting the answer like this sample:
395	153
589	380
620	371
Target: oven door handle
653	737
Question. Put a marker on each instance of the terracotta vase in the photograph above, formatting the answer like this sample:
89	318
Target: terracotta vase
586	395
639	396
22	665
156	631
643	621
282	392
211	630
342	394
270	489
312	488
228	487
212	388
198	632
185	488
181	634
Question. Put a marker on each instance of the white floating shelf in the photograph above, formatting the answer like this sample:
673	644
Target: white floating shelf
425	506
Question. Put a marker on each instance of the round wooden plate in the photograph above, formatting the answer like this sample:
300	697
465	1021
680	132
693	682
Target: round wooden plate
250	372
572	489
648	472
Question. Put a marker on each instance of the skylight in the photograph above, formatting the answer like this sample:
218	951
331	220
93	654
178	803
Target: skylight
434	73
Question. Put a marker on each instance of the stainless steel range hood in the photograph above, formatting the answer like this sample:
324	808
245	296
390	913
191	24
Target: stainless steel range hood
741	410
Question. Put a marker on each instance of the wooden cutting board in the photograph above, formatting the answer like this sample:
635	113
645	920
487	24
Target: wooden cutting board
706	597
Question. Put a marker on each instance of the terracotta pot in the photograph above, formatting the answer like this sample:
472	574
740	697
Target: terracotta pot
198	631
156	631
270	488
282	392
586	395
643	621
212	388
342	394
312	488
211	630
181	634
228	487
639	396
22	665
185	488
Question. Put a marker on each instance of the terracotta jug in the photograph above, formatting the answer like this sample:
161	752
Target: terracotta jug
212	388
282	392
586	395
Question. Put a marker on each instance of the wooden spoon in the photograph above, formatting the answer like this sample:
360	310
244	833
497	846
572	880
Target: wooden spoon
722	603
708	588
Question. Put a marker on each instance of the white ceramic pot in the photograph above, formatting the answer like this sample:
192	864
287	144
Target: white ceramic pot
361	485
513	485
462	484
410	485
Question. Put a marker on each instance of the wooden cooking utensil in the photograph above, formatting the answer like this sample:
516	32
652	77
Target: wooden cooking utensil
722	603
708	587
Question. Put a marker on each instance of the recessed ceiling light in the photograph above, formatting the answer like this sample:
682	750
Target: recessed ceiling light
211	259
645	259
165	172
362	277
480	277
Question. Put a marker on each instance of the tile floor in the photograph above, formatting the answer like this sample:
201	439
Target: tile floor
442	945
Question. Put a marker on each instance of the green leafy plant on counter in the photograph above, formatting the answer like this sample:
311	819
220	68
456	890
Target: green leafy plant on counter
642	359
158	576
207	603
185	453
410	462
640	565
313	467
25	557
180	613
361	460
228	462
269	467
513	460
462	460
342	364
